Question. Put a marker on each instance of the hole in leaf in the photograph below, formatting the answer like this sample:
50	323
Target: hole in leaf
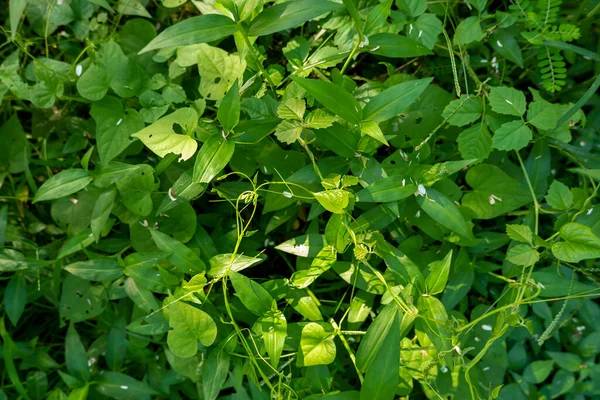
393	162
178	129
150	136
418	120
217	79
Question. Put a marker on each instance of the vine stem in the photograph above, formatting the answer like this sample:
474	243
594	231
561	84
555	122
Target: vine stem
257	59
536	205
340	334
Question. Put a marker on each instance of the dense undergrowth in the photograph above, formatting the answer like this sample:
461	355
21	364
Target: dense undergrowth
357	199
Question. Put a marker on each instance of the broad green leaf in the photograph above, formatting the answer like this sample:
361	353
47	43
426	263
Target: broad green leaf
438	275
396	46
523	255
494	192
333	97
392	188
319	119
274	332
559	196
142	297
335	200
181	256
445	212
218	70
506	100
322	262
460	280
288	15
353	11
375	337
215	372
520	233
223	263
360	276
162	138
538	371
580	243
542	115
15	9
414	8
316	345
15	297
426	30
195	30
567	361
371	128
80	300
443	170
254	297
289	131
463	111
591	173
96	270
114	127
213	156
514	135
468	31
433	323
101	212
303	304
94	83
377	16
394	100
228	112
136	190
382	377
190	324
475	142
75	355
292	109
63	184
506	45
120	386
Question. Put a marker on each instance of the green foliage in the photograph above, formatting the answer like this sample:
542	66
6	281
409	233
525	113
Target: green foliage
356	199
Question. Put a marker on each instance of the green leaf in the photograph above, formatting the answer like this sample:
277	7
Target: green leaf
195	30
494	192
394	100
335	200
538	371
190	324
523	255
222	263
114	127
542	115
161	137
506	45
274	332
316	345
228	112
75	355
213	156
396	46
63	184
96	270
15	9
101	212
382	378
215	372
506	100
438	275
254	297
468	31
218	70
520	233
580	243
141	296
445	212
136	190
358	23
371	128
288	15
303	304
392	188
426	30
322	262
371	344
319	119
292	109
15	297
333	97
120	386
475	142
463	111
288	131
94	83
514	135
181	256
559	196
567	361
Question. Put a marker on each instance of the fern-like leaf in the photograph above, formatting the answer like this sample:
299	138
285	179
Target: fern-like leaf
563	32
521	9
552	69
548	11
